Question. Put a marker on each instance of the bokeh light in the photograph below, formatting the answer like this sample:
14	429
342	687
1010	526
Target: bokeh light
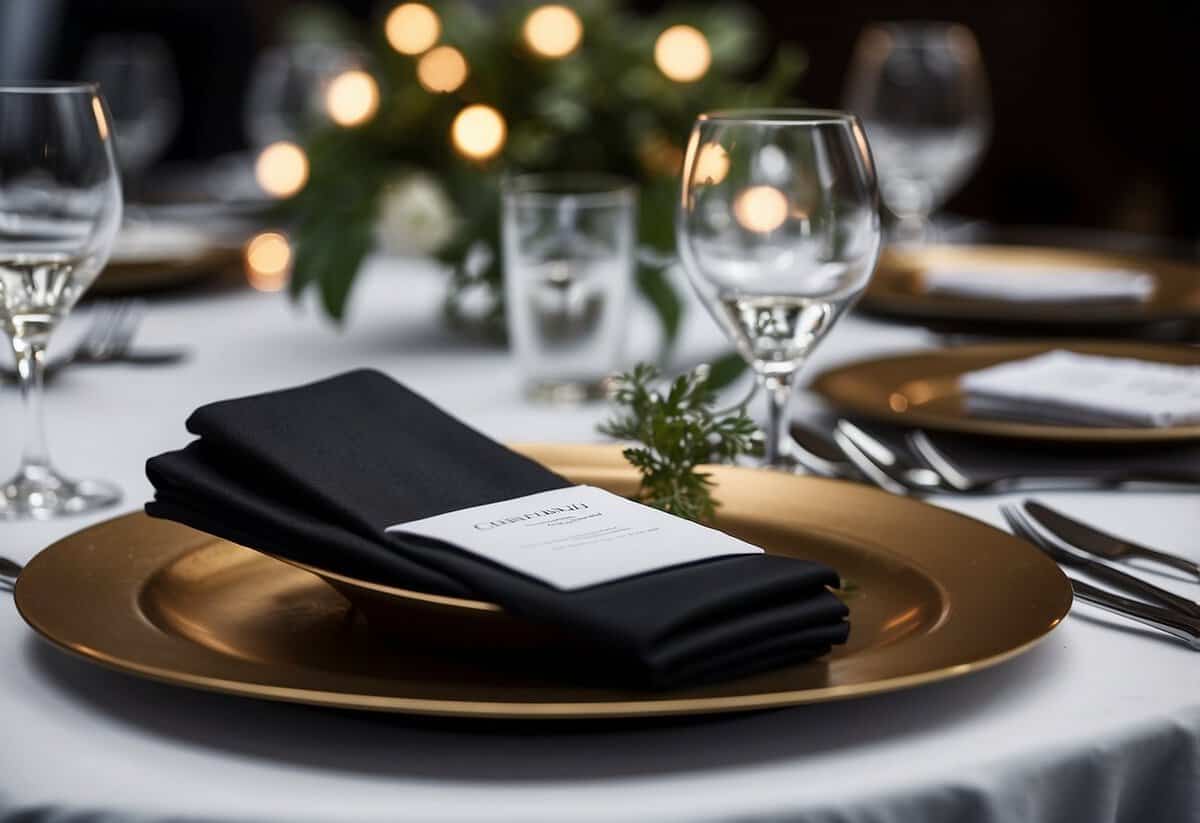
761	208
268	259
712	164
479	132
412	28
682	53
281	169
442	70
553	31
352	98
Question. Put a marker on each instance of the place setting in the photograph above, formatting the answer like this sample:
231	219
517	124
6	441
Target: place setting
203	589
721	418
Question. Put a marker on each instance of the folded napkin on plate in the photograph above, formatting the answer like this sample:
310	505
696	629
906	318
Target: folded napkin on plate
317	473
1049	285
1084	389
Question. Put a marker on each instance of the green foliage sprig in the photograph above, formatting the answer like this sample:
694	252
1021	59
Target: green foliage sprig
603	108
678	430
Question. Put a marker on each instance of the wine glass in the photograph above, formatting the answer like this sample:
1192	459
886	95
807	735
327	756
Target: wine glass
141	88
60	207
778	230
922	94
286	96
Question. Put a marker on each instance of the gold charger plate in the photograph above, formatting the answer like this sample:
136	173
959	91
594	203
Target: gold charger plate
921	389
153	275
936	595
896	289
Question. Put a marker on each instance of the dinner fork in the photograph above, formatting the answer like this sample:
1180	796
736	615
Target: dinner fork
884	466
9	569
108	339
1056	473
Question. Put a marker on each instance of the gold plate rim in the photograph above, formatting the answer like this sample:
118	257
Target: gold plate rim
888	293
858	388
151	275
242	679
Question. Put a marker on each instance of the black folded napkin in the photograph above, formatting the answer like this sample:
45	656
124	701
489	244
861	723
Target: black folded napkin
317	473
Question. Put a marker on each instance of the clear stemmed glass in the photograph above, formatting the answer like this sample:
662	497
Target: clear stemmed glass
141	88
922	94
778	230
60	207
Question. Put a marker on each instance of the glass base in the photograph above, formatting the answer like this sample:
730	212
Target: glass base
567	392
786	463
40	493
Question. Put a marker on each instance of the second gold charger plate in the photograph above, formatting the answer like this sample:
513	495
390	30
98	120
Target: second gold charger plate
130	277
897	290
1170	312
921	389
932	595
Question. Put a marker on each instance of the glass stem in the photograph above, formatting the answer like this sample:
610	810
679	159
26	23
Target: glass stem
779	397
912	229
30	356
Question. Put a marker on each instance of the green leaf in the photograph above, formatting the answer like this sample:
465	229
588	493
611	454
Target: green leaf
726	369
677	431
341	268
653	284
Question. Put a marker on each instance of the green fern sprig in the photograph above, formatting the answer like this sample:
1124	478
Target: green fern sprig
678	430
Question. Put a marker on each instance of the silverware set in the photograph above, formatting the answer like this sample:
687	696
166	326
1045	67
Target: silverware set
108	339
914	463
1166	611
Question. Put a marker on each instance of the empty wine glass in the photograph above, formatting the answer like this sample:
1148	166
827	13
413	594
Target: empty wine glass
286	96
140	85
60	206
778	230
922	95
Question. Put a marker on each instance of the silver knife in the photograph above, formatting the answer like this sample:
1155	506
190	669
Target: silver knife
1102	544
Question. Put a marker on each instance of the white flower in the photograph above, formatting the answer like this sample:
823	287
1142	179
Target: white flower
415	216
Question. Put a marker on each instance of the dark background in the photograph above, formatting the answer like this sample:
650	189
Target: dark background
1096	120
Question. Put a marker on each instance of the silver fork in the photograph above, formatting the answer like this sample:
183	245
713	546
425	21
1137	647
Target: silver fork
108	339
9	570
884	466
110	333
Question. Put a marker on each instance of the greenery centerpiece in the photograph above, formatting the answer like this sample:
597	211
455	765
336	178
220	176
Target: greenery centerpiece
451	97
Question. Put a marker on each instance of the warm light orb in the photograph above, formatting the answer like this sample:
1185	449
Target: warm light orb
268	261
412	28
712	164
682	53
553	31
478	132
761	208
281	169
442	70
352	98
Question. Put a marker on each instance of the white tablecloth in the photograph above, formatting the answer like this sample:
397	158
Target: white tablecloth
1101	722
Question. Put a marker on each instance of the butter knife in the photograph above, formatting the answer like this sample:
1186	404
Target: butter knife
1102	544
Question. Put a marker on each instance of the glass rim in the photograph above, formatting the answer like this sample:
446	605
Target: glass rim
918	24
589	188
780	117
51	87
